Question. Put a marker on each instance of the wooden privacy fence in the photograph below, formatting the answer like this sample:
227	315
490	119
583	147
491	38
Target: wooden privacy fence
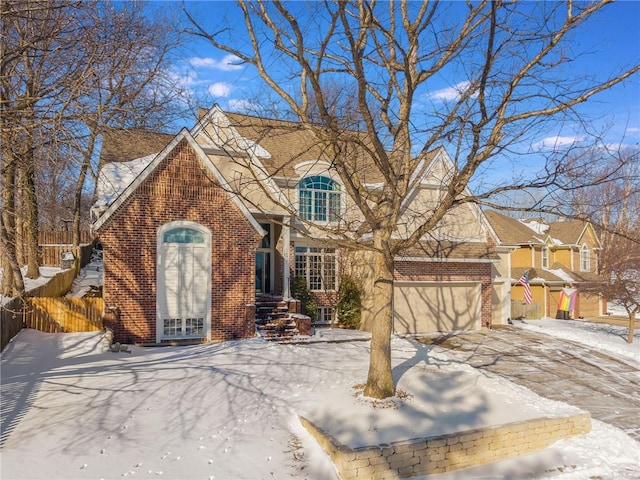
522	310
10	320
63	237
52	254
63	315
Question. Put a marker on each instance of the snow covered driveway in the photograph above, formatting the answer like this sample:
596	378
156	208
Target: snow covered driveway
558	369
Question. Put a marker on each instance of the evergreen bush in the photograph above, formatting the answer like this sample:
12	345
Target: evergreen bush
349	303
301	292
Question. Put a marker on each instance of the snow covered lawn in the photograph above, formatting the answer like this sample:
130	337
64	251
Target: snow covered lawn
229	411
610	339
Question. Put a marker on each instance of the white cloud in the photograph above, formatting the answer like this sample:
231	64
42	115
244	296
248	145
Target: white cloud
228	63
633	131
220	89
241	105
451	93
557	142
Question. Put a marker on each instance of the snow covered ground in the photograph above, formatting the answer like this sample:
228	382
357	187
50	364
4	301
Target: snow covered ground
229	410
46	274
606	338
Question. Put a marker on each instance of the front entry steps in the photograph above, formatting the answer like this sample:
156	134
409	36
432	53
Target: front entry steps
275	321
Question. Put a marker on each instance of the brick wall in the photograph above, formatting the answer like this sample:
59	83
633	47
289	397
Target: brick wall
445	453
450	272
180	188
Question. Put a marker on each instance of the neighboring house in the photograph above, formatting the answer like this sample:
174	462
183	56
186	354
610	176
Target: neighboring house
557	256
196	227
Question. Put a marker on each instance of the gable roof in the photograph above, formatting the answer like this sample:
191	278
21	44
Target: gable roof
156	161
290	144
569	232
511	231
122	145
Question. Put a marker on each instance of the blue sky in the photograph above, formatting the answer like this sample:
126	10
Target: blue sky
610	42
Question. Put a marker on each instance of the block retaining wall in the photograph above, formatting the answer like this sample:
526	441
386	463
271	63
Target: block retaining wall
440	454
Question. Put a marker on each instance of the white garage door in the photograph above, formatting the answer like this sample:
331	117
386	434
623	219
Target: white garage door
427	307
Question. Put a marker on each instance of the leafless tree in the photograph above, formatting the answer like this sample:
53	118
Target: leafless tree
68	70
611	201
506	63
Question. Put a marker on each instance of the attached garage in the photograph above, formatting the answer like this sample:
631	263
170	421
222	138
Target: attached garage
427	307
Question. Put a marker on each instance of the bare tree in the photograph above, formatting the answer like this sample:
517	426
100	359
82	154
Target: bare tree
508	59
611	201
69	69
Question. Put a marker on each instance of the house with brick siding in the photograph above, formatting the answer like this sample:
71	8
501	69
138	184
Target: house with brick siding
559	258
197	227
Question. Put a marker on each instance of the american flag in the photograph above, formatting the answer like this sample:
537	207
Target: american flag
524	281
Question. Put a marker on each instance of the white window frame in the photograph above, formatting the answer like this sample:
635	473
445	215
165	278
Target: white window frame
326	315
329	210
585	259
545	257
305	271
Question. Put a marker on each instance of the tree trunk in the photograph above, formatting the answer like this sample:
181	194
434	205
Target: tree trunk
77	198
15	283
12	283
632	324
378	313
31	211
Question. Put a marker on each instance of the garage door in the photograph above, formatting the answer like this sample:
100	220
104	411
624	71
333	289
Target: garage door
426	307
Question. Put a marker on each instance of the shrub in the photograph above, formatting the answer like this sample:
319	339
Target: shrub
301	292
349	303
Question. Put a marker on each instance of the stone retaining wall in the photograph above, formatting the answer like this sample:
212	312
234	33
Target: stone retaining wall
439	454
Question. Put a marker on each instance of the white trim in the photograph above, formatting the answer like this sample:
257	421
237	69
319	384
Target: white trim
286	259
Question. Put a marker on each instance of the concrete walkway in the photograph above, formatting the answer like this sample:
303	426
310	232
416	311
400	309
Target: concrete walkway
557	369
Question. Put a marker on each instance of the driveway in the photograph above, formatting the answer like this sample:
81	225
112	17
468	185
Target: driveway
557	369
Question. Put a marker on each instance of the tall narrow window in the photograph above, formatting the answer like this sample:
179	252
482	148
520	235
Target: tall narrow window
585	260
183	278
545	257
319	199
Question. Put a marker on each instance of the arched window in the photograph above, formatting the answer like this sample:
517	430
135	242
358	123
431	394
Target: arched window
585	259
319	199
183	235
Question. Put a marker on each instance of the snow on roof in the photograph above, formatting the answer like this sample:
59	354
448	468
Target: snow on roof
535	225
116	176
560	273
556	241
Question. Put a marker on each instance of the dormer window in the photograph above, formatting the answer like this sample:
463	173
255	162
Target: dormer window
545	257
319	199
585	259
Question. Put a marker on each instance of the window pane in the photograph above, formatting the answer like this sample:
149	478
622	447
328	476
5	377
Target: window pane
266	240
334	207
172	326
183	235
320	206
194	326
305	204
